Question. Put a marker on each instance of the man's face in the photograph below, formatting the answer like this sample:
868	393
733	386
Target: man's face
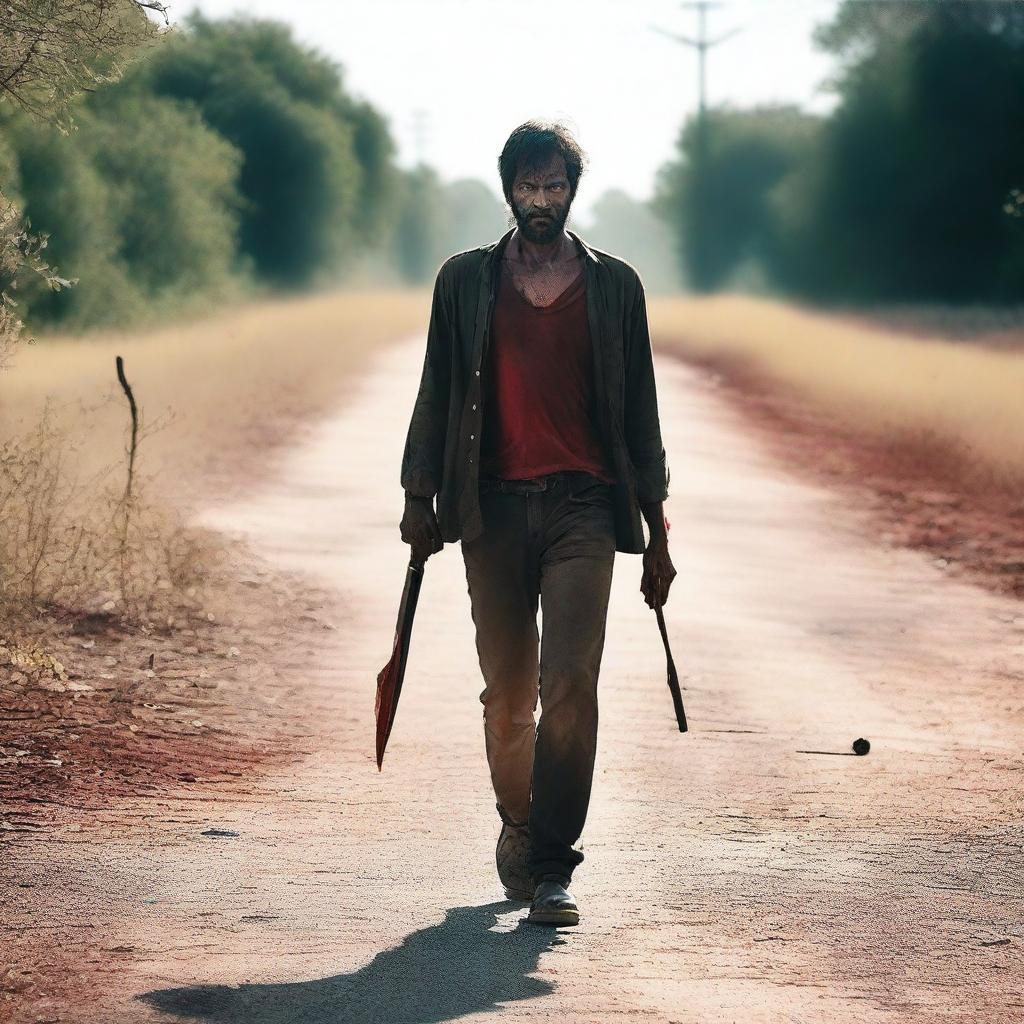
541	200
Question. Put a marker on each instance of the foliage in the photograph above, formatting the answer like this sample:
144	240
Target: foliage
905	193
919	161
316	173
419	225
717	194
231	154
140	203
631	229
20	253
51	50
473	215
862	28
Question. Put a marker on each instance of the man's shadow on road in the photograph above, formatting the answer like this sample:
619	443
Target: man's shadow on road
437	974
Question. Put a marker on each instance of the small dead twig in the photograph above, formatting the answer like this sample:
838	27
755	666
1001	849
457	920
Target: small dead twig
127	501
135	424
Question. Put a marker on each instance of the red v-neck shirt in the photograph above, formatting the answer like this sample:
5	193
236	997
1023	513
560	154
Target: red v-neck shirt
539	393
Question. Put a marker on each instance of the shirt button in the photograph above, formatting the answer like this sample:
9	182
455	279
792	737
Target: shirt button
474	405
477	373
472	437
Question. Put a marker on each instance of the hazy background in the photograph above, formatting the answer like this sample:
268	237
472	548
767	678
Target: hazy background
461	74
865	152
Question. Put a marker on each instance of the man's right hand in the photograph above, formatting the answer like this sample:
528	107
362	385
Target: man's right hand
420	529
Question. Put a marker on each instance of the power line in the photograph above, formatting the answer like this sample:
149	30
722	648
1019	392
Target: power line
702	43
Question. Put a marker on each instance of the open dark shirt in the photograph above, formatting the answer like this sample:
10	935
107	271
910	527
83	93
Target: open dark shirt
442	448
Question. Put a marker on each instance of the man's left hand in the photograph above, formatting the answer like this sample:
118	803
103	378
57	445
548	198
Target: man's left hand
658	571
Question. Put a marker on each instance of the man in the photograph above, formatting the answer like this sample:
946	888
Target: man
536	427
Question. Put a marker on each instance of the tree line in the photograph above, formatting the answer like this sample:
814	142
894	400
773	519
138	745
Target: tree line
912	189
220	154
155	169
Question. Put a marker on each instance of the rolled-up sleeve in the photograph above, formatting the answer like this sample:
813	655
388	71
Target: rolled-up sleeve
423	457
641	423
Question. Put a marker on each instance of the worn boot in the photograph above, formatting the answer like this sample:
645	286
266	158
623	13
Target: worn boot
510	856
552	903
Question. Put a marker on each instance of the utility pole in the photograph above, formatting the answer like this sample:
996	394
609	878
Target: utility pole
702	44
697	244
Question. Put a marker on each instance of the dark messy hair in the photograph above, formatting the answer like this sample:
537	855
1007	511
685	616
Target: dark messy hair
533	144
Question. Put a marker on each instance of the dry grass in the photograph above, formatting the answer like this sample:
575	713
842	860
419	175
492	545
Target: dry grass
84	544
960	408
217	396
161	656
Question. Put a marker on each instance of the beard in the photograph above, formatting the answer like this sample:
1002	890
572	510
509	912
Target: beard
540	231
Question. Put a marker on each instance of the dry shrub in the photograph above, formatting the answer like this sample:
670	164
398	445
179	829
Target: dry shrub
52	50
83	545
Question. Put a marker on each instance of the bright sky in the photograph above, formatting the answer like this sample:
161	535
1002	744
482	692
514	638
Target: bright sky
454	77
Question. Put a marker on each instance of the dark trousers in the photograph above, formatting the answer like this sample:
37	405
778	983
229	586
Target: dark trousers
551	539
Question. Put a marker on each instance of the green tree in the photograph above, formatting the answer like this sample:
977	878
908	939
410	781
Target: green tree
473	215
423	216
719	206
50	50
631	228
920	159
317	175
139	202
863	28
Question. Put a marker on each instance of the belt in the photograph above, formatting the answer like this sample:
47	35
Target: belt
525	486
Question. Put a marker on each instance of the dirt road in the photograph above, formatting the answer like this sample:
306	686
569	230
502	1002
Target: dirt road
729	875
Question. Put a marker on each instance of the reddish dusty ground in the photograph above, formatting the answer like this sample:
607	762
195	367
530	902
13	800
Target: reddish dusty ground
752	869
915	496
144	708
